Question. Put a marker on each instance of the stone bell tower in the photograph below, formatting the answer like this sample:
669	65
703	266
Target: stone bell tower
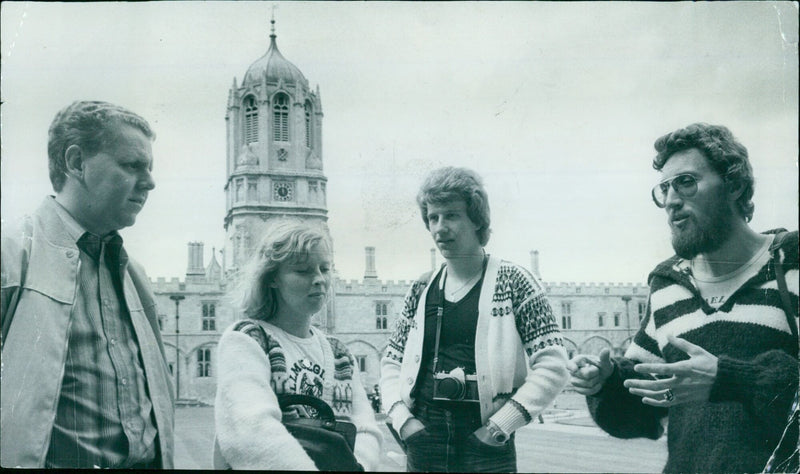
274	153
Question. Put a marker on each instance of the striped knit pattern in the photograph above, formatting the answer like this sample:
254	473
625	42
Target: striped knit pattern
757	375
342	360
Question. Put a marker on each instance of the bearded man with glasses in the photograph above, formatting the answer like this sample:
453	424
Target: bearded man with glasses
716	353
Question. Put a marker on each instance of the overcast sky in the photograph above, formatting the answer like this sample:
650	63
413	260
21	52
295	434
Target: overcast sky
556	105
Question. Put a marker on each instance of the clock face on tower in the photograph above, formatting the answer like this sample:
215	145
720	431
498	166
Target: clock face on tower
282	191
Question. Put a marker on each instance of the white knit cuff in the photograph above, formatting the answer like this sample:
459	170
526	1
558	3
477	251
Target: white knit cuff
399	413
509	418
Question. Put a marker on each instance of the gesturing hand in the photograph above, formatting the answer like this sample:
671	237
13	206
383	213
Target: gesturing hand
689	380
589	373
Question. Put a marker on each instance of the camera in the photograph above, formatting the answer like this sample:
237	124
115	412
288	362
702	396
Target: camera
455	386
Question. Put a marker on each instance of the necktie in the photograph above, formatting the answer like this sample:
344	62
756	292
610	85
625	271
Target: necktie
114	255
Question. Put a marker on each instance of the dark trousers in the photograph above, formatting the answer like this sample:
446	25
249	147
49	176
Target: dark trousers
448	445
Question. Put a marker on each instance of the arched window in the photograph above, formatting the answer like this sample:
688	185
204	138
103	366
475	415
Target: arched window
309	126
204	363
250	120
280	118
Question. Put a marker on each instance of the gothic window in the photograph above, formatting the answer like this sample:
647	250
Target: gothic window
282	191
309	129
209	316
616	319
600	318
642	309
566	315
362	363
280	118
380	315
161	322
238	190
566	322
250	120
204	362
252	190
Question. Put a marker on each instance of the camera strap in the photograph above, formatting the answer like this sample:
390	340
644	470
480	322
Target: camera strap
439	313
440	309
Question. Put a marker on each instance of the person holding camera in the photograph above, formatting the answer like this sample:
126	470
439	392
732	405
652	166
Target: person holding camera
476	353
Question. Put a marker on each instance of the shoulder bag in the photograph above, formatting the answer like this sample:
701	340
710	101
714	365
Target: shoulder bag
328	442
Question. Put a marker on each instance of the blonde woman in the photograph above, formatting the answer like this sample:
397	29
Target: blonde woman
277	351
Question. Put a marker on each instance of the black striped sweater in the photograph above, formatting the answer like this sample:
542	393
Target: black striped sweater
757	374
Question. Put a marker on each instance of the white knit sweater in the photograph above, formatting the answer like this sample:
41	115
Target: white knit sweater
249	432
519	355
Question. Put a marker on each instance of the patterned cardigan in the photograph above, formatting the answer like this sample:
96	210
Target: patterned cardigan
519	355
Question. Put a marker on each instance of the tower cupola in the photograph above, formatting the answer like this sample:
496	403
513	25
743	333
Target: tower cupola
274	153
274	66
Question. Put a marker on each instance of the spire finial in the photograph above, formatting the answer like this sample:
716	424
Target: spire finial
272	21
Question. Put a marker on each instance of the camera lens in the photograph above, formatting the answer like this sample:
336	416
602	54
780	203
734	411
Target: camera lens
451	388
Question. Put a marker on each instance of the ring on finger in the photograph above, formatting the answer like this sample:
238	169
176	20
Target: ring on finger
668	395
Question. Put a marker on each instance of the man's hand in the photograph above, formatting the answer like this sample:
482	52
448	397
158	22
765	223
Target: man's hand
483	436
689	380
589	373
411	426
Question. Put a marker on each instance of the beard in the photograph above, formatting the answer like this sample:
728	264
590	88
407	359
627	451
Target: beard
703	236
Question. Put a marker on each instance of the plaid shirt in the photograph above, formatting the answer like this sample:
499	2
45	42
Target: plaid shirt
104	416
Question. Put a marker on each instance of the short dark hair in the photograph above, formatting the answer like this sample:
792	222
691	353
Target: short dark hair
91	125
449	184
724	153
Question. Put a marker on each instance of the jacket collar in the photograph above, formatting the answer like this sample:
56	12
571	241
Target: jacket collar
66	234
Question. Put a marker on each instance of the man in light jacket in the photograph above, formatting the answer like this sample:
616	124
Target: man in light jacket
84	379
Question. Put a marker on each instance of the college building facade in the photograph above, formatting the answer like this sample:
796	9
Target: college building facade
274	169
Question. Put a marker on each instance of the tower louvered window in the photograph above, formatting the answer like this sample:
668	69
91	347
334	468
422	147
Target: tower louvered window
280	118
309	130
250	121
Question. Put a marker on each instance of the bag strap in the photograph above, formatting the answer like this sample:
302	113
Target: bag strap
260	336
789	309
27	239
285	400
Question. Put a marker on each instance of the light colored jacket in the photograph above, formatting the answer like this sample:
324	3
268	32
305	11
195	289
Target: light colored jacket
35	348
519	355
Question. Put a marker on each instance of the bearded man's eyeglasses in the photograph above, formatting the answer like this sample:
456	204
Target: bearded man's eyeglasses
683	184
